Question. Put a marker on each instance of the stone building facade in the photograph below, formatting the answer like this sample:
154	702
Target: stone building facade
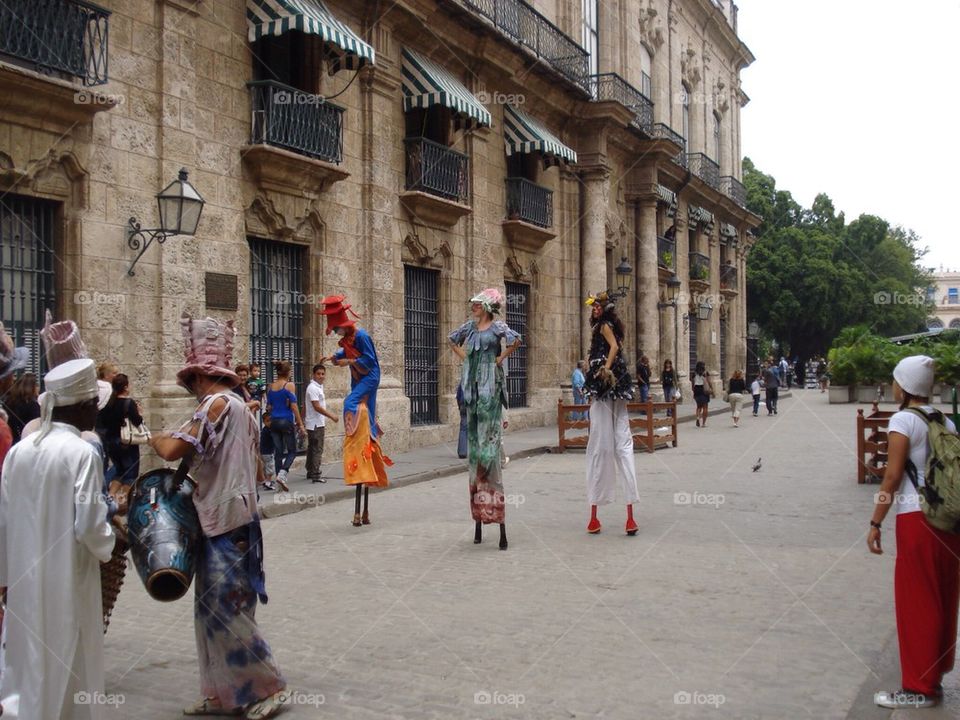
406	158
944	296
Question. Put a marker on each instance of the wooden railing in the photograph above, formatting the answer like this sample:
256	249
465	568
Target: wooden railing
651	416
872	444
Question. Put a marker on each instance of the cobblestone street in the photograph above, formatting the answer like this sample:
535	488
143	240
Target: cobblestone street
745	595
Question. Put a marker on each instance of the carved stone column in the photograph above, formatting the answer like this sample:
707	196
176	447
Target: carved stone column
593	243
648	282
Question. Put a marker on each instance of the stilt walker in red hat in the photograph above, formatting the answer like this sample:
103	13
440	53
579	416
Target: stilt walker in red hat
363	461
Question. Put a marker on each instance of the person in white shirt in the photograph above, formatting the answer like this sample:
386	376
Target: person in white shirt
316	421
926	581
755	387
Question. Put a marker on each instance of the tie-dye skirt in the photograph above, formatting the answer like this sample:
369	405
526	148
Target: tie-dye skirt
484	437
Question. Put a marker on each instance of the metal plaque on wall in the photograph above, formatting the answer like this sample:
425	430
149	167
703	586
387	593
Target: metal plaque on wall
221	291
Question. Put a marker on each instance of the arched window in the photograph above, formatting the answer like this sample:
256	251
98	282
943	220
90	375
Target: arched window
717	138
934	324
591	33
685	100
955	324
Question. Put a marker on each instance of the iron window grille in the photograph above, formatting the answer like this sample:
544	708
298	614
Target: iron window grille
517	316
421	344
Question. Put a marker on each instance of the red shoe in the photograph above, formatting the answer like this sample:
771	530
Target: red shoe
594	527
632	526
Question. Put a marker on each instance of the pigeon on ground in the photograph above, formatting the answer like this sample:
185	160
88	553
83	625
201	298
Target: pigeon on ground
757	466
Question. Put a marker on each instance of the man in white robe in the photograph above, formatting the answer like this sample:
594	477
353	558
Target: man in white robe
53	535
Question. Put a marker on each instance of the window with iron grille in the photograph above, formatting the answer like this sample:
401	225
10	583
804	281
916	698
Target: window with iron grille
421	344
693	341
518	313
277	272
723	350
27	278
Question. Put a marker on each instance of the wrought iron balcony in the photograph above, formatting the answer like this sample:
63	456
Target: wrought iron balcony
699	267
704	168
520	22
660	131
734	189
728	277
437	169
65	37
297	121
666	252
529	202
612	87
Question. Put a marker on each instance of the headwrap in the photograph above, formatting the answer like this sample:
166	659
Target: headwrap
491	299
335	307
914	375
208	350
602	298
61	341
67	384
12	358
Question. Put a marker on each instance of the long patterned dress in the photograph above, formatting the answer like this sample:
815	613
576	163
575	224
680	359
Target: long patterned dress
484	396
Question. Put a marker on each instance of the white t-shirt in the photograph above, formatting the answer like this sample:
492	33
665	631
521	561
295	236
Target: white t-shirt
755	387
315	419
915	429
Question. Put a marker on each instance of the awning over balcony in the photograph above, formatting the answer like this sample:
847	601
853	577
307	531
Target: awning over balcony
728	230
344	48
698	216
524	134
425	83
669	198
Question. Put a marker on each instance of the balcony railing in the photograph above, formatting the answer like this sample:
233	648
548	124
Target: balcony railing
728	277
612	87
660	131
699	267
520	22
666	252
436	169
704	168
529	202
734	189
297	121
66	37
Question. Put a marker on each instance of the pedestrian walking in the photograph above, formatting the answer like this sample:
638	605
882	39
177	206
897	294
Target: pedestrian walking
668	381
926	579
822	377
243	390
267	452
756	387
237	670
610	444
20	403
702	392
316	422
478	344
120	409
285	420
577	381
771	385
643	377
736	387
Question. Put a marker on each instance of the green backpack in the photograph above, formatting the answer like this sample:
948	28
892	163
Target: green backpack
940	494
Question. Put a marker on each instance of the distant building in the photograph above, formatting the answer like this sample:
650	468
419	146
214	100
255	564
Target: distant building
944	293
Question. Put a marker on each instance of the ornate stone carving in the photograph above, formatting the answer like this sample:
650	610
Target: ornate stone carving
690	66
721	99
616	231
514	271
431	210
415	252
56	174
651	27
283	171
263	217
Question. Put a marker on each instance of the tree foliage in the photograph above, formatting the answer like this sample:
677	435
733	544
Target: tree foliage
810	273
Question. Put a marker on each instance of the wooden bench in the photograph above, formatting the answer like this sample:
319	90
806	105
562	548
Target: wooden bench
645	419
872	444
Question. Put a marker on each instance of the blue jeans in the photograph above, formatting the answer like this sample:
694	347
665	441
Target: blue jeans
644	392
756	404
578	399
284	444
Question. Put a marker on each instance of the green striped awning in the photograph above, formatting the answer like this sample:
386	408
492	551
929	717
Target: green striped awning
344	48
425	83
524	134
728	230
669	198
699	216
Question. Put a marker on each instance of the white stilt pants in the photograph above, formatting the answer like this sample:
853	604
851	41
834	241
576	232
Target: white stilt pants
610	454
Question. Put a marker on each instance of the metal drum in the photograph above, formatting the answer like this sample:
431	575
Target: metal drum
164	533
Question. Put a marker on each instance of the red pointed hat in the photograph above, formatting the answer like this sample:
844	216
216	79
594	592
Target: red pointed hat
335	308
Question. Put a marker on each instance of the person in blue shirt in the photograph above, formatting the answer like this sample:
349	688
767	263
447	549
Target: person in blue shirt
577	381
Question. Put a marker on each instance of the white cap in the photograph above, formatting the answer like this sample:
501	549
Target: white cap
914	375
69	383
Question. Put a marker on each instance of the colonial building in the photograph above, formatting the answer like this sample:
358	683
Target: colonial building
944	297
406	154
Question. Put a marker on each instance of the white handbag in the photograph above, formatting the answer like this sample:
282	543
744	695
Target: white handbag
131	434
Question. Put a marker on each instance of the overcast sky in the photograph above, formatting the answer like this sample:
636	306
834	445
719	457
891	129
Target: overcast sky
859	99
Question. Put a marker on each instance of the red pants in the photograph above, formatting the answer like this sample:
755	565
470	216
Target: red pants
927	591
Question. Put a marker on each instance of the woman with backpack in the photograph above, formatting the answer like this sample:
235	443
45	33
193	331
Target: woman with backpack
927	572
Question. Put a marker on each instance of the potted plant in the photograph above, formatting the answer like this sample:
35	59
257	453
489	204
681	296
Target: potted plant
840	369
667	257
947	357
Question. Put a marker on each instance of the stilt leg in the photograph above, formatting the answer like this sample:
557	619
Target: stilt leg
478	533
594	526
503	536
631	523
365	519
356	509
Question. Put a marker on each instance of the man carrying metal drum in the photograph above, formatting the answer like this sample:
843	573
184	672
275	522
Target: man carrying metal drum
221	442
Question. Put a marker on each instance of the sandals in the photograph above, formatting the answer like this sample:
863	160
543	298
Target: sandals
268	707
211	706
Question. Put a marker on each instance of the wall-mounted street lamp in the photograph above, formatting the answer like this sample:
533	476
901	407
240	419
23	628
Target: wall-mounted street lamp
624	273
753	330
673	291
180	206
704	310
